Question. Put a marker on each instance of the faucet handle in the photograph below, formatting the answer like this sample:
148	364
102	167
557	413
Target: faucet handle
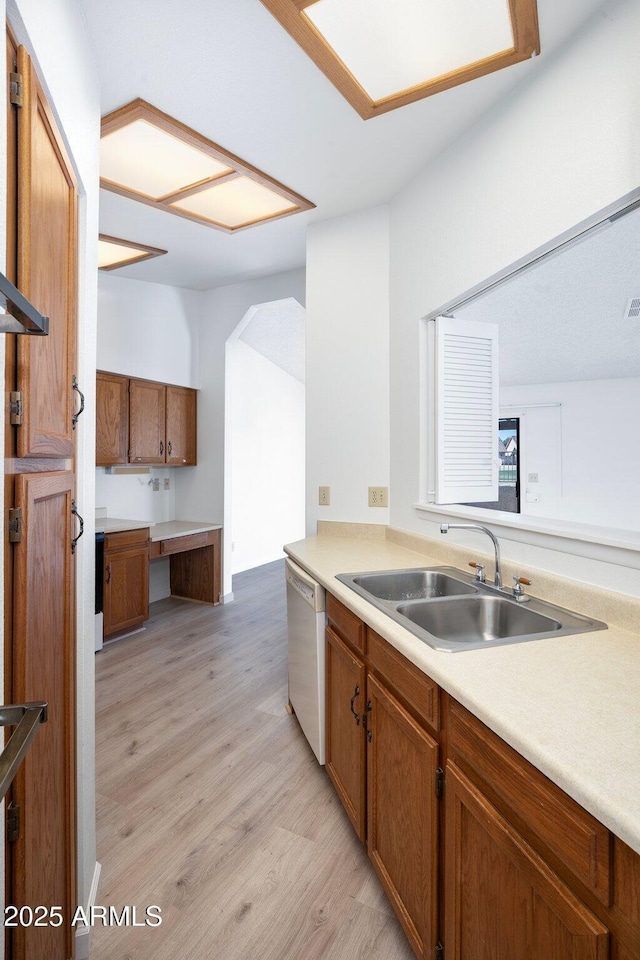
522	580
479	568
518	592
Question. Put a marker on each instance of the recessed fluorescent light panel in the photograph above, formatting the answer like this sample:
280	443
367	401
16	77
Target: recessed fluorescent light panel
114	252
148	156
383	55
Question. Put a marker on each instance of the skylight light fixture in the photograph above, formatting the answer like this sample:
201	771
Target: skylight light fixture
382	55
114	252
148	156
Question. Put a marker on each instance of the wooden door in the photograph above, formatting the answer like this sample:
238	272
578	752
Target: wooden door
46	274
402	807
44	855
345	742
146	421
112	419
501	898
181	426
126	588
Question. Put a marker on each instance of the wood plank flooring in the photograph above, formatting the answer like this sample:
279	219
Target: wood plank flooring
211	803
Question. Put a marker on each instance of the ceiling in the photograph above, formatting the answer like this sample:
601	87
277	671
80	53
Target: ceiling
277	331
232	73
563	319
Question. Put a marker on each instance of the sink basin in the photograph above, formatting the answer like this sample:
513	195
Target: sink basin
450	610
477	619
412	585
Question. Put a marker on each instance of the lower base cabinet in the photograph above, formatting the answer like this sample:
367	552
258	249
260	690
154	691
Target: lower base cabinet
527	874
501	898
126	580
402	808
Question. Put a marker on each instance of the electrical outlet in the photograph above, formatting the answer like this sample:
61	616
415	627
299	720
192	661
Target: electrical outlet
166	483
378	496
324	496
155	484
532	478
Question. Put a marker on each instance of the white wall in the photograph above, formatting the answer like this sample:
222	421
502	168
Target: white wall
148	330
347	369
200	492
266	418
596	478
561	147
53	32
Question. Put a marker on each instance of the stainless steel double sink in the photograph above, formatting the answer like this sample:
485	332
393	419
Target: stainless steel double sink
450	610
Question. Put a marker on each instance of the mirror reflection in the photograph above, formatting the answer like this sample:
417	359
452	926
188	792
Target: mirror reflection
569	336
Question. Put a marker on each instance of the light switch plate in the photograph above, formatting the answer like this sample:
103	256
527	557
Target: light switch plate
324	496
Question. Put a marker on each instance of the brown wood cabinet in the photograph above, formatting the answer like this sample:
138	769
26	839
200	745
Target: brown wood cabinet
145	422
384	768
112	419
502	899
527	873
181	426
39	469
126	580
345	743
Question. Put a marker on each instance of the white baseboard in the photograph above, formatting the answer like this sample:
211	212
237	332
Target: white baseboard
83	933
227	598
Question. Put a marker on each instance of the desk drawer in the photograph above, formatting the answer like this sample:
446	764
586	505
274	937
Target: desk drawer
126	538
178	544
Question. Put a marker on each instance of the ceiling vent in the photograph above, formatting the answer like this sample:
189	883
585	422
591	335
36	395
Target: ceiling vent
633	309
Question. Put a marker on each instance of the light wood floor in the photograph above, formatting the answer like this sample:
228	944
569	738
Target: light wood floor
211	803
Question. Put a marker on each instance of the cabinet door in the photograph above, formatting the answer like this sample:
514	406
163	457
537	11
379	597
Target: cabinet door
146	421
402	806
501	898
43	858
112	419
126	588
46	271
181	426
345	746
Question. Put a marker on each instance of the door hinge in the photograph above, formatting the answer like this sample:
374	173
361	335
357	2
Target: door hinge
16	408
13	822
15	524
15	89
439	782
439	952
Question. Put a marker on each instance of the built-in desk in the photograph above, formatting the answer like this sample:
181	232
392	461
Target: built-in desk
194	551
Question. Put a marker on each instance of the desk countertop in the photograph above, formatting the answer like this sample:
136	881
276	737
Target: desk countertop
157	531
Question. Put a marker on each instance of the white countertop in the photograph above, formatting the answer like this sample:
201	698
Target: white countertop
157	531
570	705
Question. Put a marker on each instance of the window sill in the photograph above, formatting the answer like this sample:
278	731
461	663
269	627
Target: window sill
597	543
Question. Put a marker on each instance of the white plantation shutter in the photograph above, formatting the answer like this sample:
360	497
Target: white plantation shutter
466	402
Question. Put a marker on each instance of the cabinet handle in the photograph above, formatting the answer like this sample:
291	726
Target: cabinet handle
368	709
356	693
169	448
161	447
74	418
74	540
108	572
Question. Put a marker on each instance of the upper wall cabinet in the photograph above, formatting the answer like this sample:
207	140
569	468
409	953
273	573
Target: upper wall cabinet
146	421
141	421
112	419
181	426
46	275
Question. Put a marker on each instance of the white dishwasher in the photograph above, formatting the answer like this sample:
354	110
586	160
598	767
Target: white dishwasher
306	620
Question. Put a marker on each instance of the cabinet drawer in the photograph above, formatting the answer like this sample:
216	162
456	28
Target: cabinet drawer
579	841
127	538
191	541
346	624
409	682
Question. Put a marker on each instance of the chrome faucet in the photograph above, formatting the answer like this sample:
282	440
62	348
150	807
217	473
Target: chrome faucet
445	527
